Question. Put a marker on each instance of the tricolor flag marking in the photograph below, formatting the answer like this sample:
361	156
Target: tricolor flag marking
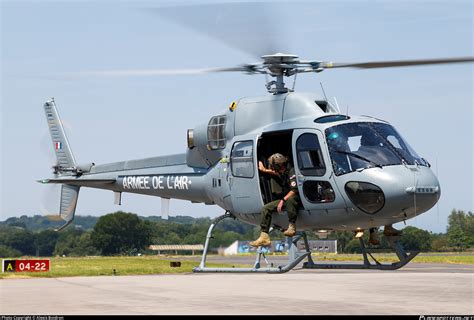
58	145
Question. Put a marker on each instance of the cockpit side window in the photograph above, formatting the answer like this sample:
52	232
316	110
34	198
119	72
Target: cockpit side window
309	155
216	133
318	191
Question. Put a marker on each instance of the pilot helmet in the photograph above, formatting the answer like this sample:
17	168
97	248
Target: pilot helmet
338	140
336	136
277	161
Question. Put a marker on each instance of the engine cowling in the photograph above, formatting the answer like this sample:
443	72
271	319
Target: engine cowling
200	154
206	142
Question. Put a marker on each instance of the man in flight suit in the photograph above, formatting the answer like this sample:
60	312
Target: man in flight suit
280	168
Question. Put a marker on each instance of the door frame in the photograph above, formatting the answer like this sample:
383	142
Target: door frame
328	176
245	191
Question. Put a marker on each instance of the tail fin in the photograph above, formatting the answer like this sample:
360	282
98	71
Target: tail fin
66	163
64	156
67	207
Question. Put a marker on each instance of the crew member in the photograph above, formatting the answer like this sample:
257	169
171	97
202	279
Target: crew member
279	167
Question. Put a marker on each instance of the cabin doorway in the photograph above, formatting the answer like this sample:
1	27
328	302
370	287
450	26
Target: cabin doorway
268	144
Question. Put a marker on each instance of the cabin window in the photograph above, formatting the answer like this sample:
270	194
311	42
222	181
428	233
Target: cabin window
318	191
241	159
310	158
216	133
332	118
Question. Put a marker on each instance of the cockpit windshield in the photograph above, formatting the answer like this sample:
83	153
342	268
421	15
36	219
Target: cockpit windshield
362	145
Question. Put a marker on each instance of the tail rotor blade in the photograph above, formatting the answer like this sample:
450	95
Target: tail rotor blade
46	149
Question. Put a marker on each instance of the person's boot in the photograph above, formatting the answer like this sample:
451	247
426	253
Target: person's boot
374	238
291	231
391	231
262	241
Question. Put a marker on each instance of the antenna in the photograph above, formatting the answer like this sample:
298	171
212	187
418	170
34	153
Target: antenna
414	193
337	105
294	83
437	203
326	98
347	110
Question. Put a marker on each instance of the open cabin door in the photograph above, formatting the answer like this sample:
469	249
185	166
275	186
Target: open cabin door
244	186
316	184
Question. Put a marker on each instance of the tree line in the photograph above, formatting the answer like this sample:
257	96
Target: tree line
122	233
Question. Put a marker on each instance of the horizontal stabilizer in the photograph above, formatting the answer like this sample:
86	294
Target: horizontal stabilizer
77	181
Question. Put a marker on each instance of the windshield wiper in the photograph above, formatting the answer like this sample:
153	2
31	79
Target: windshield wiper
358	157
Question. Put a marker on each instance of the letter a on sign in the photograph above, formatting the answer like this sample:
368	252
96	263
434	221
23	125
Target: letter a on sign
8	266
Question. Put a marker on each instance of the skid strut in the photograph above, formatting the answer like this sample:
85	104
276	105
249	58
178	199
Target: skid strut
294	257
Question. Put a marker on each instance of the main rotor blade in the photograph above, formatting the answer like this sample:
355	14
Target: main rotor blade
396	63
153	72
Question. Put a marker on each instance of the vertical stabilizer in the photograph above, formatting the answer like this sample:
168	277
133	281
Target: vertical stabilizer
64	156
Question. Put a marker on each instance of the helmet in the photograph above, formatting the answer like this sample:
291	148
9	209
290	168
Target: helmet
277	160
336	137
338	141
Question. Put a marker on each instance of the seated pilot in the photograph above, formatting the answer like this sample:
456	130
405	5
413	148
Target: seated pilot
338	143
372	147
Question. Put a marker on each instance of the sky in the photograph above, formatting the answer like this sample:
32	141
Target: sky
46	44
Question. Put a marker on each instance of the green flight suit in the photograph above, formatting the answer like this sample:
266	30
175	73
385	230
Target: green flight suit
288	181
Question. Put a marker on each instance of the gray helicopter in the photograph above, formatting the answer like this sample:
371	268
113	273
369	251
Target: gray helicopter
353	173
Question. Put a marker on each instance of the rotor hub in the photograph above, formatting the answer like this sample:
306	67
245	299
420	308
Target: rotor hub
279	58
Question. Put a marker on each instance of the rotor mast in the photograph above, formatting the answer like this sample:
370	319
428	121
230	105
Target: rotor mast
279	65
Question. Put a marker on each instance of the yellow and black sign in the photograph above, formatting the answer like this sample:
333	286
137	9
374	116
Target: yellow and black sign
232	106
9	266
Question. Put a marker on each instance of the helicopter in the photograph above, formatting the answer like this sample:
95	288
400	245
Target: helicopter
353	173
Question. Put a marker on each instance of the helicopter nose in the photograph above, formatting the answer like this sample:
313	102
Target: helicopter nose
395	192
424	191
416	192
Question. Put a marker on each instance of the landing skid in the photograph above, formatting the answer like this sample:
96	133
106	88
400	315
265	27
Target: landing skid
295	256
403	257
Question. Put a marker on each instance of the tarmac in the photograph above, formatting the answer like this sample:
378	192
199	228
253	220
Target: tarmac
419	289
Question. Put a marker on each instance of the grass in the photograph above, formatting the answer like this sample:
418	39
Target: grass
448	258
105	266
442	257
